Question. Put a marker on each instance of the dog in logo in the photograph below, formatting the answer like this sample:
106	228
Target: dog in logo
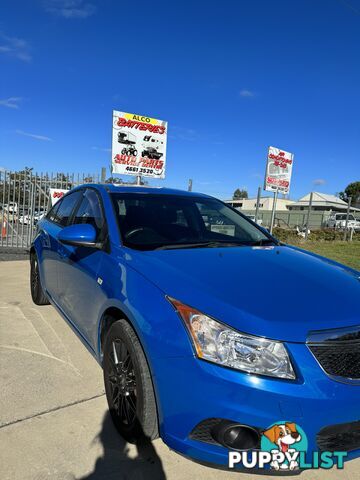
283	435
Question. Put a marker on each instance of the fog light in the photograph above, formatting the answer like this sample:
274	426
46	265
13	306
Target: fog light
235	436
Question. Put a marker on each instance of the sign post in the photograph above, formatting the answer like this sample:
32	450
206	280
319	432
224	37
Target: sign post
138	146
276	193
278	175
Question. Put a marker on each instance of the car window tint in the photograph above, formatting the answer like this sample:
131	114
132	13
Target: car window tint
148	221
66	208
52	213
90	212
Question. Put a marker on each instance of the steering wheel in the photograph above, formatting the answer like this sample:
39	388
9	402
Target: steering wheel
133	232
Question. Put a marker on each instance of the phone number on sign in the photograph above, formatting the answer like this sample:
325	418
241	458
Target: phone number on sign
145	171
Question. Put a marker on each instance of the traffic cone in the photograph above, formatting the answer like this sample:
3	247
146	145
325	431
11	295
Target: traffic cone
3	229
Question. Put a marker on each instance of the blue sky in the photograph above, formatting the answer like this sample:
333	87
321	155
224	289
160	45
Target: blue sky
231	77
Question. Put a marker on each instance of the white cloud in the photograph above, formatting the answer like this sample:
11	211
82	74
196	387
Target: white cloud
11	102
181	133
70	8
99	149
15	47
36	137
246	93
319	181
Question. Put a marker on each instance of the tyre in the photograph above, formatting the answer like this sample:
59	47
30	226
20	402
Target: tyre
128	384
37	293
135	153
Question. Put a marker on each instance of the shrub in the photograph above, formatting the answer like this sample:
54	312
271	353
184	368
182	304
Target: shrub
324	235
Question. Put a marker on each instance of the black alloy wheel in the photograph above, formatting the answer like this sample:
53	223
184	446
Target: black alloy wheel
37	293
128	383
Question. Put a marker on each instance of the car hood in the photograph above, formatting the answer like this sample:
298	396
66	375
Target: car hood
276	292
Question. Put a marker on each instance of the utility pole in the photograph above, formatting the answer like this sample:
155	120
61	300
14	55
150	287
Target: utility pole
257	204
103	174
308	216
347	217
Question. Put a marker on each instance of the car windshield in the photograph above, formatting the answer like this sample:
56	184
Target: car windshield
159	221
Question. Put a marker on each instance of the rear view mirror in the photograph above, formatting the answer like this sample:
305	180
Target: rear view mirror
79	236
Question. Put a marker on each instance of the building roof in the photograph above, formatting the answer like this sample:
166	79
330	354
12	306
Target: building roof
322	200
253	199
322	197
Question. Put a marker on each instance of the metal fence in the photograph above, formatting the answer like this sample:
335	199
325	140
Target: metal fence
25	197
287	219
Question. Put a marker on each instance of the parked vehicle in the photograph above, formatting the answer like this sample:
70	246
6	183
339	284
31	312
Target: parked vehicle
338	220
11	207
38	215
24	219
193	346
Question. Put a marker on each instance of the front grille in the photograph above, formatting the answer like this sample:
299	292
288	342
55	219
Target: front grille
339	360
202	431
344	437
338	353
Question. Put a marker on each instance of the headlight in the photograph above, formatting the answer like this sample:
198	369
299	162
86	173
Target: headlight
218	343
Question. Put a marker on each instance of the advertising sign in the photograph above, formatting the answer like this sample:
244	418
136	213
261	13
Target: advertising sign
56	194
278	170
138	145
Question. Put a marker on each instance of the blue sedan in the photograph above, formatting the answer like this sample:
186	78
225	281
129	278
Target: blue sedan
208	329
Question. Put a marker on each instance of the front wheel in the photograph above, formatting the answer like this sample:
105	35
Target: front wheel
37	293
128	384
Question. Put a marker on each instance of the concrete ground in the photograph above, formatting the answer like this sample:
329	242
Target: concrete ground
53	414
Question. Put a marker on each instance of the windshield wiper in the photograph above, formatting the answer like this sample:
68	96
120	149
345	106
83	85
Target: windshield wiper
210	244
263	242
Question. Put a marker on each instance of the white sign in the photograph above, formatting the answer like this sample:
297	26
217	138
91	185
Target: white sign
278	170
138	145
56	194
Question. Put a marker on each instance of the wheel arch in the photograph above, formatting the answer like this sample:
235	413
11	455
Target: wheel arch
110	316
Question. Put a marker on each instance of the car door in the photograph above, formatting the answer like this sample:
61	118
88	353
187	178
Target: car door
79	285
56	219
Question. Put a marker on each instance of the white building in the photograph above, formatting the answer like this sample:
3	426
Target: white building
322	202
266	203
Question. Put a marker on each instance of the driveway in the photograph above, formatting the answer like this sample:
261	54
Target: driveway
53	414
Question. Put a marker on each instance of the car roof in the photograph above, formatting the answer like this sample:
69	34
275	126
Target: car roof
114	188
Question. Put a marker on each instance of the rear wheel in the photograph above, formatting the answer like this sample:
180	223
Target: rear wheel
37	293
128	384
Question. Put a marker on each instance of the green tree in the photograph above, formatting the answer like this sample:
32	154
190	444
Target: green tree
240	194
353	191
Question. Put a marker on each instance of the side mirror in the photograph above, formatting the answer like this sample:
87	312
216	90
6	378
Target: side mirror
82	235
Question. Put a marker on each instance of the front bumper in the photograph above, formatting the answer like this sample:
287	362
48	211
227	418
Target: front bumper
190	391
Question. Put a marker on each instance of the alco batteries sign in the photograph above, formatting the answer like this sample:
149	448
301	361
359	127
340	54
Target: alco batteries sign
138	145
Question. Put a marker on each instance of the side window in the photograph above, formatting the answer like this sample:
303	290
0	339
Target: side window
52	213
66	208
90	212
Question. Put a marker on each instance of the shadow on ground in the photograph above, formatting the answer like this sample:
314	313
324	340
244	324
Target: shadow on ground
115	462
